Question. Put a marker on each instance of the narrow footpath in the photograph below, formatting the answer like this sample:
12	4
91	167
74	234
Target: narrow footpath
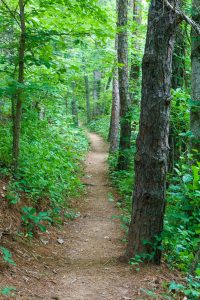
84	264
95	242
94	271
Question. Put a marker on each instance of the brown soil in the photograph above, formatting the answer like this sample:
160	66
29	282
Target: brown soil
85	265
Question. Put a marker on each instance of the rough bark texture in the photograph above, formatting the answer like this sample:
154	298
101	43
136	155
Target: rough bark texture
195	110
152	142
87	96
125	115
19	94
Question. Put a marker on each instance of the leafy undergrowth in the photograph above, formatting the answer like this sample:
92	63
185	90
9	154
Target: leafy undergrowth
101	126
181	240
39	196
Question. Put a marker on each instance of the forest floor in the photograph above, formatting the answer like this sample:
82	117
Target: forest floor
80	260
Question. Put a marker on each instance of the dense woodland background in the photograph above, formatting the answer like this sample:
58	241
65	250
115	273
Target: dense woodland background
133	79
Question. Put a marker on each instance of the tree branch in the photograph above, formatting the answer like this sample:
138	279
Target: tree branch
183	16
10	11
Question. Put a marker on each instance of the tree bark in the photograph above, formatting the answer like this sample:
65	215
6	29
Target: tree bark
195	58
87	96
152	142
125	114
20	90
114	120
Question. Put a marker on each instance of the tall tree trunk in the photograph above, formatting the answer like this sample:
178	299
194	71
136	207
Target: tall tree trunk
114	120
195	110
125	114
115	111
87	96
152	142
96	92
74	105
20	91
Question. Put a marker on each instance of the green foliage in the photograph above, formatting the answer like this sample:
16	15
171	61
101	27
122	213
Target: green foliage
57	151
123	180
5	145
12	195
135	262
49	164
71	214
101	126
183	216
8	291
180	121
7	256
191	289
33	220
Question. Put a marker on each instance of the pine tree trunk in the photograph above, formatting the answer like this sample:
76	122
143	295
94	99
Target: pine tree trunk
125	114
19	94
152	142
195	110
114	118
87	96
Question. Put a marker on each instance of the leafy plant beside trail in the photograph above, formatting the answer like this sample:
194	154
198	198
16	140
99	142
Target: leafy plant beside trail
101	126
50	166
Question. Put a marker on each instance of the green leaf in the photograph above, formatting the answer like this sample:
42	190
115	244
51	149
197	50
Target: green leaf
7	291
7	256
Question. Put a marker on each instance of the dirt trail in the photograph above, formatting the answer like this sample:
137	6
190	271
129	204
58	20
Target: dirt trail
95	239
95	243
85	266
